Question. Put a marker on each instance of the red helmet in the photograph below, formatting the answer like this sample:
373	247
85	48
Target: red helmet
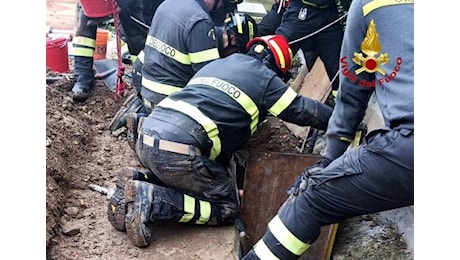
279	48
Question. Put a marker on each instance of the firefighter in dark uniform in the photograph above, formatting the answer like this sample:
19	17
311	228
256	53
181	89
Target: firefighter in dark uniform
176	48
377	57
84	42
217	17
169	73
189	138
303	18
271	21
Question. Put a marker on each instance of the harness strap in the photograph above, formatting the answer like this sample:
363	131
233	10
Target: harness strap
171	146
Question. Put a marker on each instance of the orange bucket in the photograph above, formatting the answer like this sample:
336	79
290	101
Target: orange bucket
100	51
96	8
57	55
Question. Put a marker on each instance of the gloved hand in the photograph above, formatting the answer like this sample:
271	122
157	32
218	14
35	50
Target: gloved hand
300	184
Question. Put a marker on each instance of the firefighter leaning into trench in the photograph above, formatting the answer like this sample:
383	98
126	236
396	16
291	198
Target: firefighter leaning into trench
187	143
377	56
176	48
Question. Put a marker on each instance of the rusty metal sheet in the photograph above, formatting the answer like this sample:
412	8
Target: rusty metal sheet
267	177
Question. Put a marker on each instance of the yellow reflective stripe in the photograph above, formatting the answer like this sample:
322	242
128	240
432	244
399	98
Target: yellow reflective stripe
202	56
279	53
263	252
168	50
344	139
239	24
371	6
189	208
141	56
205	212
133	58
84	52
286	238
234	92
85	41
159	87
334	93
283	102
251	29
209	126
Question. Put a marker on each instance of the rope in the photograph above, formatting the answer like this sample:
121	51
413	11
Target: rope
313	33
121	85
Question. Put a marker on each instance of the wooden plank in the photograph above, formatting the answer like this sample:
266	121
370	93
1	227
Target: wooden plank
316	85
268	175
60	22
300	78
61	14
62	1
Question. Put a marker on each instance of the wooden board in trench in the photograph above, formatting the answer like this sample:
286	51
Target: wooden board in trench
268	175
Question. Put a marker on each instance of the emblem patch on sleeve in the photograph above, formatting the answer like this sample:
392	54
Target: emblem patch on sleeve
371	47
370	60
302	14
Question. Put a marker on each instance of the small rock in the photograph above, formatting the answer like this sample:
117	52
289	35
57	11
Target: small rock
72	211
84	204
119	131
71	231
133	252
109	102
100	126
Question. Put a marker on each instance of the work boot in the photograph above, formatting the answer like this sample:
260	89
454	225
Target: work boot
116	208
139	205
84	78
132	104
132	123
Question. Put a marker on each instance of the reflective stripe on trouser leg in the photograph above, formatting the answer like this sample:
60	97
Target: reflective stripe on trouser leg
285	237
279	242
202	215
170	204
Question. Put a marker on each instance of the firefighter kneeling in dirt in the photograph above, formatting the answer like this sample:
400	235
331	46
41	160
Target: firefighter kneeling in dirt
188	140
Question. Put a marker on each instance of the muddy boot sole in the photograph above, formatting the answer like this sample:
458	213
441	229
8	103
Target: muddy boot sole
138	202
116	209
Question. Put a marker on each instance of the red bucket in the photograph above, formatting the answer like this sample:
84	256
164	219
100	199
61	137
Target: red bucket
96	8
57	55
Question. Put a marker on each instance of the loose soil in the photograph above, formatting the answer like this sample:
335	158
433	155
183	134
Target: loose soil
81	151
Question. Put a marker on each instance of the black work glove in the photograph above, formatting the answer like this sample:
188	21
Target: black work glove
300	184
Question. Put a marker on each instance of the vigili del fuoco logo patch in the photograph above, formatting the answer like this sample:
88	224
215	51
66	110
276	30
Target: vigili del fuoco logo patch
371	47
370	60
